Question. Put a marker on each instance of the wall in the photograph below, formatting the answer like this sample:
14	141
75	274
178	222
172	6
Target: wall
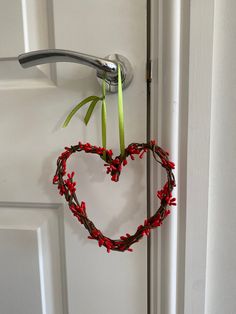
221	247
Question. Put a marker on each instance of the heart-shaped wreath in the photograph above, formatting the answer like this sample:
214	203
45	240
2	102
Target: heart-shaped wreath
67	187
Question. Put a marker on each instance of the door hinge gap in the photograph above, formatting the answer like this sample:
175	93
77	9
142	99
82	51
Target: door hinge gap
149	71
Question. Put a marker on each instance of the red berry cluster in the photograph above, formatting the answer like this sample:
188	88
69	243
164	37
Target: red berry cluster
165	195
67	187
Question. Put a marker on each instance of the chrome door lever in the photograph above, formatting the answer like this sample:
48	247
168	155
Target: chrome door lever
106	68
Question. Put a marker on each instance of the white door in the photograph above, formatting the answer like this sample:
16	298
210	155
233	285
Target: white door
47	264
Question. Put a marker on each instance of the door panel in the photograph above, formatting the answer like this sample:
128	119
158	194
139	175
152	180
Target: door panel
34	103
20	246
32	261
11	20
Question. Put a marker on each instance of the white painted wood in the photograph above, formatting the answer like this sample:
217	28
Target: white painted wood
21	290
11	29
30	28
182	153
221	246
165	121
155	265
33	108
36	20
182	89
45	269
12	77
199	113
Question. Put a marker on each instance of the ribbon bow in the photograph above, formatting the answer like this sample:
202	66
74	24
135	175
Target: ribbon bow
93	100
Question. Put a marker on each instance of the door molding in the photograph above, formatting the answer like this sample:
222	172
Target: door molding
182	53
46	220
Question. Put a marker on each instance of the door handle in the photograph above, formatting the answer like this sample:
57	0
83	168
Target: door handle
106	68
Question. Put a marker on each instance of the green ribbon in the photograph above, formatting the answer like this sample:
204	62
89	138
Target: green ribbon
94	100
121	114
104	118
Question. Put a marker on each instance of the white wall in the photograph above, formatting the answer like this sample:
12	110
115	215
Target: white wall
221	252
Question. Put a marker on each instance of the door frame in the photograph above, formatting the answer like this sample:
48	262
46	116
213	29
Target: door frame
182	53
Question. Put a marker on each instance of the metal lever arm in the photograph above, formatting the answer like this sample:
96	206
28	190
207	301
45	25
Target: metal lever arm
106	68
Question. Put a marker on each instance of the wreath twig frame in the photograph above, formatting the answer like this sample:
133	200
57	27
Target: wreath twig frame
67	188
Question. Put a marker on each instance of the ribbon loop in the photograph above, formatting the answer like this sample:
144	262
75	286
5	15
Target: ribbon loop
121	114
104	118
93	100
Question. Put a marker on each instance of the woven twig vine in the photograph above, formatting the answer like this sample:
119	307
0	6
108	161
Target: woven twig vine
67	187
